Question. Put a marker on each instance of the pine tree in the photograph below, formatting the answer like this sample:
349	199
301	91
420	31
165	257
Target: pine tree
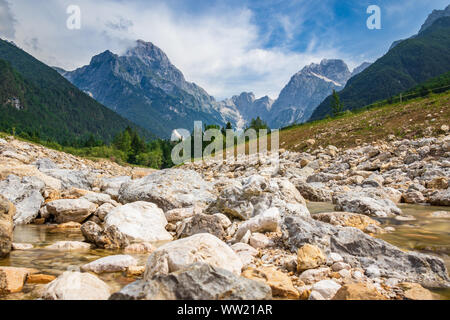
336	105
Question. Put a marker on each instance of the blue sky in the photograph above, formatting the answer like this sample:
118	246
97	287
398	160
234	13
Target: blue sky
225	46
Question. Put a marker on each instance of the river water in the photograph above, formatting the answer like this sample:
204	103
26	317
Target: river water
425	234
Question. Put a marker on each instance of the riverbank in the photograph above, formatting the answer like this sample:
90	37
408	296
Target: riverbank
305	226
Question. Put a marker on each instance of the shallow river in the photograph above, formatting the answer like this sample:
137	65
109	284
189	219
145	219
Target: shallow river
425	234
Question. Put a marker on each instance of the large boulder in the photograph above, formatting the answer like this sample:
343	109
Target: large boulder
361	203
13	279
348	219
324	290
245	252
139	221
361	250
76	286
105	238
99	198
314	191
25	194
201	223
203	247
267	221
112	185
279	282
309	257
251	196
82	179
169	189
69	246
116	263
76	210
198	281
7	211
45	163
441	198
358	291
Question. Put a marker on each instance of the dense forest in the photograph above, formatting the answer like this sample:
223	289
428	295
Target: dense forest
129	147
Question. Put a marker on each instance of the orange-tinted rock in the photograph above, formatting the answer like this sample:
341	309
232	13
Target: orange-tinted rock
12	279
280	282
358	291
40	278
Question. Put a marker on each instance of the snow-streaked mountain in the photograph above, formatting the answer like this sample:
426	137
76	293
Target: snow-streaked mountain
306	90
145	87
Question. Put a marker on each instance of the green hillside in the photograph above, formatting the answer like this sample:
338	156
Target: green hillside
405	66
35	100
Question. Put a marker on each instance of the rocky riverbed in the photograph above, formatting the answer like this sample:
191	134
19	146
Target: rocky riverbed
365	223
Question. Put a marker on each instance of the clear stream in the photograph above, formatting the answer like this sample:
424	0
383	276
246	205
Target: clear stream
425	234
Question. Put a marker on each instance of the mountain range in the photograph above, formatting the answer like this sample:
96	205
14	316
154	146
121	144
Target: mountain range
146	88
36	101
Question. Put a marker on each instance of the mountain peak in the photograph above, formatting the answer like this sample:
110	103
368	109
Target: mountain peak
245	99
333	69
147	52
433	16
102	57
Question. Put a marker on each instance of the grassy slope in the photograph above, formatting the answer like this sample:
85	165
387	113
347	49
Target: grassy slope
408	64
413	119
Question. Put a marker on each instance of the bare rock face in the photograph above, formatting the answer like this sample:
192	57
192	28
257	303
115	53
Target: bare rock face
314	191
199	281
169	189
7	211
76	286
203	247
111	186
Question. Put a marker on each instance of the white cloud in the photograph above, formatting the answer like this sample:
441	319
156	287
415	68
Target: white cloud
7	21
222	51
